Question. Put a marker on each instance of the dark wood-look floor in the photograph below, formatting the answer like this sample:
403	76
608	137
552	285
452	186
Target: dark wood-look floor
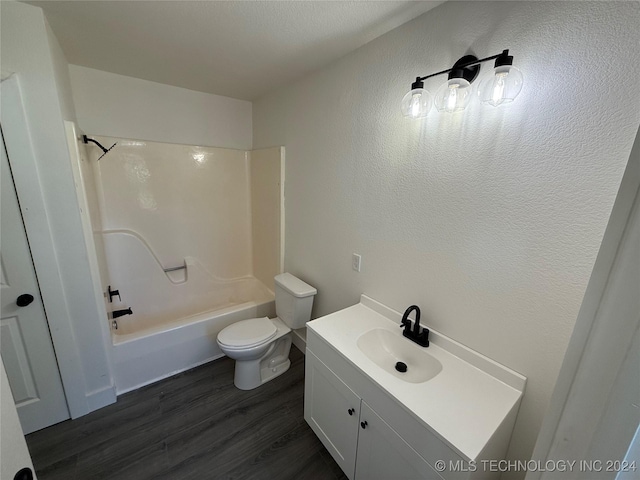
195	425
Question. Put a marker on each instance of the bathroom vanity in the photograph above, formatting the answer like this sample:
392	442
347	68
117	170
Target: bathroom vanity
450	415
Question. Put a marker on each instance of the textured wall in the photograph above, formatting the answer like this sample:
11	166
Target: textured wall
119	106
491	219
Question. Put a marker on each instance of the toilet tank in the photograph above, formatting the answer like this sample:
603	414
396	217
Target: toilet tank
294	299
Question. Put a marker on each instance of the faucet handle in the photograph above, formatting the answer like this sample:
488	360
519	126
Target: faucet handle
113	293
406	324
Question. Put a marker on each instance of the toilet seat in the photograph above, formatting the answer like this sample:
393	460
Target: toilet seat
248	333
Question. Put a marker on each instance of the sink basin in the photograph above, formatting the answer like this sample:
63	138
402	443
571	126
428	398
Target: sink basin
386	349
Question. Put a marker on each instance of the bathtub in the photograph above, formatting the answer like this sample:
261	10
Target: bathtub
148	348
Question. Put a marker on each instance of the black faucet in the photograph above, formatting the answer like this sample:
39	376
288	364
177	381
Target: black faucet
121	313
418	334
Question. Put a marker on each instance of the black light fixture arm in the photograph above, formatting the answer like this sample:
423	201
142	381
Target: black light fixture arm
464	63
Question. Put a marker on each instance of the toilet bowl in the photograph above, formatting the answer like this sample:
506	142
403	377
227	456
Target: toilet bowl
259	357
260	346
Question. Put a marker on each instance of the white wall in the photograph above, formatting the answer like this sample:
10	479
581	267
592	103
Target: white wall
61	75
120	106
592	413
491	219
44	181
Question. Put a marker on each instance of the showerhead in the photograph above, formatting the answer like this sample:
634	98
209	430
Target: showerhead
86	139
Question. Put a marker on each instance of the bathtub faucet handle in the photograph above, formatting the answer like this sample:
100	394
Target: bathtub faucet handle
113	293
120	313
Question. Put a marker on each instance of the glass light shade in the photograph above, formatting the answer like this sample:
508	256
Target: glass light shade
501	87
416	103
453	96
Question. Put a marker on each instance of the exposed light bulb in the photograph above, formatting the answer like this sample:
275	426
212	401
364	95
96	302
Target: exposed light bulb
453	96
503	86
416	103
498	88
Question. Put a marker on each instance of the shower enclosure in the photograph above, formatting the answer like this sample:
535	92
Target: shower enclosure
188	237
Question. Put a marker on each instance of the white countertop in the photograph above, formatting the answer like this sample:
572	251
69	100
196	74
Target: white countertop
464	404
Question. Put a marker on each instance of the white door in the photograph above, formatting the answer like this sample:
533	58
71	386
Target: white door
13	447
383	454
25	342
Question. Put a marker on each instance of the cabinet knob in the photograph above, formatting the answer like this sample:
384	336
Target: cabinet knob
364	424
351	410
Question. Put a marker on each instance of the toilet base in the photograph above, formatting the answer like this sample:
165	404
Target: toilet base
250	374
269	373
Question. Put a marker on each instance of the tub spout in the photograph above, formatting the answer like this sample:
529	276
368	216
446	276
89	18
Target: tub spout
120	313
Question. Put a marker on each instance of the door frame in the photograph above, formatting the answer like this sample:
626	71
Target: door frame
34	214
563	433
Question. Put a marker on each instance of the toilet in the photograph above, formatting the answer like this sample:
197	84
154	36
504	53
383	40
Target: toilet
260	346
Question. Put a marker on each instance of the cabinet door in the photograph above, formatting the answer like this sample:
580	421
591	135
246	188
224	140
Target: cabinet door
331	409
383	454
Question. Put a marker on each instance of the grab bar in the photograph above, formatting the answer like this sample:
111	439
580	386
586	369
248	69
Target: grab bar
173	269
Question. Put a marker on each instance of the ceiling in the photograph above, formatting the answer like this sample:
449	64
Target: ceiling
239	49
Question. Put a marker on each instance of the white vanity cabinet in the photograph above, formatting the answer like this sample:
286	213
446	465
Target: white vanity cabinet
383	454
333	412
380	424
361	442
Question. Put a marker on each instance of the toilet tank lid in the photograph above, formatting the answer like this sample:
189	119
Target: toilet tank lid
294	285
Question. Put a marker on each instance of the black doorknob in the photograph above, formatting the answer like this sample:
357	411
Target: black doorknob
351	410
364	424
24	300
24	474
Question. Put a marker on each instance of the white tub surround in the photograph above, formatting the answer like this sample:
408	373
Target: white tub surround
160	206
465	412
181	200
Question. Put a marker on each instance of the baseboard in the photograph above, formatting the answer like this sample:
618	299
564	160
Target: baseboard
299	339
101	398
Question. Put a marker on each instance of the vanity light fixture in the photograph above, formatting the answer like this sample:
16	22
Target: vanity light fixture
502	86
